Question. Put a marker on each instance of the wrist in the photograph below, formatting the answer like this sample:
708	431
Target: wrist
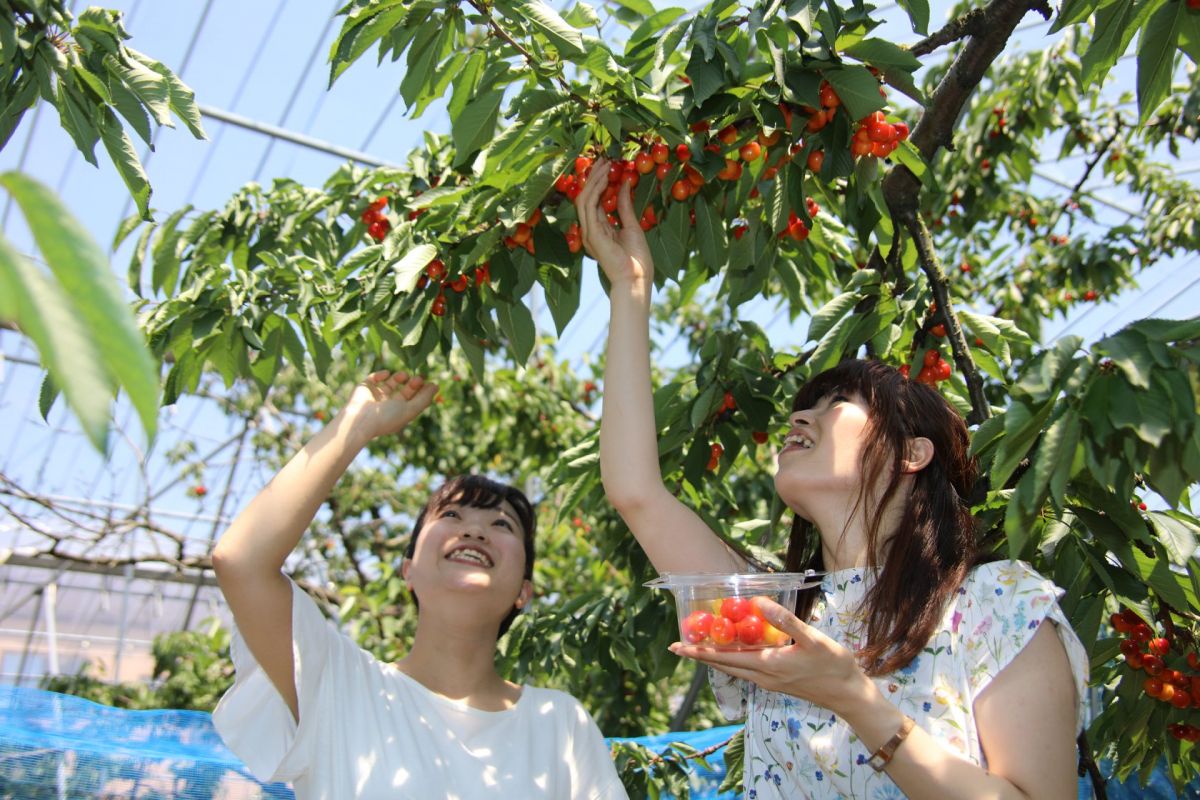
352	429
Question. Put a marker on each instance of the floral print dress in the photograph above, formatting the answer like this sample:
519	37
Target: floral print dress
795	749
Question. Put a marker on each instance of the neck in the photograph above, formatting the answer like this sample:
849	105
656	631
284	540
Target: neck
843	531
457	662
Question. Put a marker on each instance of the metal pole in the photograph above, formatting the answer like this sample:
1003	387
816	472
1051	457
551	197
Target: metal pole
121	629
51	609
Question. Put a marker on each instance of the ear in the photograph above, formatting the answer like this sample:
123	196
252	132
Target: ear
524	595
917	455
405	566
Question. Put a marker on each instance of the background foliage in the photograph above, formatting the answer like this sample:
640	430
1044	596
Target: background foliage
945	245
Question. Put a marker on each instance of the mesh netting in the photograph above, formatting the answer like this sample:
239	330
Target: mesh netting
58	747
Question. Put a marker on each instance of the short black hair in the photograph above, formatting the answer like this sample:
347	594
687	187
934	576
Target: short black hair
477	491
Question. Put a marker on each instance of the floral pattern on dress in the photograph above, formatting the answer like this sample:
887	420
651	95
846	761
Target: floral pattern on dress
795	749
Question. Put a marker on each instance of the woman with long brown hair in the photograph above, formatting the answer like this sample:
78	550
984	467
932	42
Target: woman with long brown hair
915	670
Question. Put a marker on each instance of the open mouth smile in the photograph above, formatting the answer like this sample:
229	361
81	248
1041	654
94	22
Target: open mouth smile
466	554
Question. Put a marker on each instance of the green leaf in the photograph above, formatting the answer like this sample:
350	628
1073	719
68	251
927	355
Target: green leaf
360	31
1022	425
918	14
1178	533
567	40
881	53
87	280
41	311
409	268
1156	58
146	85
476	125
46	396
1116	24
1074	11
643	7
181	97
829	315
707	77
710	235
858	89
517	323
125	159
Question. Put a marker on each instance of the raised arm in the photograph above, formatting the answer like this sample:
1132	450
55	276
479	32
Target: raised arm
673	536
249	557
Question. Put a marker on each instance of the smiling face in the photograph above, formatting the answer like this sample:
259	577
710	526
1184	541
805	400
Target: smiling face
821	460
477	522
468	552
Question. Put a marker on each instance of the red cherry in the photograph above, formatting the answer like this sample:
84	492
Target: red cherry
380	203
649	219
378	229
1090	295
759	437
660	153
683	153
932	357
459	284
1129	647
728	134
750	629
901	131
1141	633
815	160
681	190
938	330
436	269
661	171
696	627
723	631
438	307
644	163
750	151
904	370
736	609
1153	686
483	273
1158	646
564	182
943	370
582	165
1152	664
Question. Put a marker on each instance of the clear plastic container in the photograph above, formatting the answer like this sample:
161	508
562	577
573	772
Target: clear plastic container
717	610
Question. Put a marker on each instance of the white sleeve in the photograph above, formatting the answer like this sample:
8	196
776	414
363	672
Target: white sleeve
733	694
593	773
252	717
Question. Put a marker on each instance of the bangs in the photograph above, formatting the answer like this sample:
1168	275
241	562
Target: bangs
476	491
848	377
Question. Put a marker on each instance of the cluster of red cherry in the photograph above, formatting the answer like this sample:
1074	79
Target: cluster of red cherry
1145	651
373	217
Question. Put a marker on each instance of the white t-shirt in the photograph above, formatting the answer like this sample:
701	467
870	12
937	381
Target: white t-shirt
369	731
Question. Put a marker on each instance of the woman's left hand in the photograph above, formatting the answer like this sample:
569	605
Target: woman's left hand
814	667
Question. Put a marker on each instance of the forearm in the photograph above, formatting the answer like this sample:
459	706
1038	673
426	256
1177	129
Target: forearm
629	464
263	535
922	767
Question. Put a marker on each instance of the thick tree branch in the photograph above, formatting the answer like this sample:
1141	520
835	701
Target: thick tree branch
990	30
969	24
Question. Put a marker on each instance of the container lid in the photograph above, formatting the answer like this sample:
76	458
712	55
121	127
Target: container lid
748	581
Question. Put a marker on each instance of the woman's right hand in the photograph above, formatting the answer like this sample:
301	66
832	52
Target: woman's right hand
386	402
623	254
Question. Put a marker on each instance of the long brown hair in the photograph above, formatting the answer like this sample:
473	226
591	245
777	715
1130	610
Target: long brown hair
934	545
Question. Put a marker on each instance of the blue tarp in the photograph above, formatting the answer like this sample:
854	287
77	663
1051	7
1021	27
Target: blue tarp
58	747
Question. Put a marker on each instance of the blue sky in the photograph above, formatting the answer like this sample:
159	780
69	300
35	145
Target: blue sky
268	61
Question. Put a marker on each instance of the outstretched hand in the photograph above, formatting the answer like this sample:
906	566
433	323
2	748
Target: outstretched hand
386	402
623	254
814	667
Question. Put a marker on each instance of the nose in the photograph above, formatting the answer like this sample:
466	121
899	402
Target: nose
800	418
475	532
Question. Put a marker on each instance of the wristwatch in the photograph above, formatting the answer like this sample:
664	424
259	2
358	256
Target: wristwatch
883	755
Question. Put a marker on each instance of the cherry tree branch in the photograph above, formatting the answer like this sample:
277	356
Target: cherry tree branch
990	30
969	24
